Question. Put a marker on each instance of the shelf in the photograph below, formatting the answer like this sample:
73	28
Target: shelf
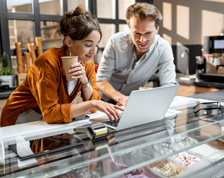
12	37
50	26
53	39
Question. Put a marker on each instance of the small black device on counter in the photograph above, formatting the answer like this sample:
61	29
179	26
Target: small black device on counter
93	131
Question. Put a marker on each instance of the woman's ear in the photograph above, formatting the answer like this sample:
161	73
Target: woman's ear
68	41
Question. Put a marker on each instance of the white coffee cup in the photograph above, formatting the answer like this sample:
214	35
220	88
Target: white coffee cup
67	62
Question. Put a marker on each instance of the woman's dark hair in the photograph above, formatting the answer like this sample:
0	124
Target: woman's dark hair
78	24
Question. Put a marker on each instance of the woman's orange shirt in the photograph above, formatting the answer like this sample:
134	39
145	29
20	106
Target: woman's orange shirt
45	90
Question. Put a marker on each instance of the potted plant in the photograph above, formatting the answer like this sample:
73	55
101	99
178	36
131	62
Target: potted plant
7	76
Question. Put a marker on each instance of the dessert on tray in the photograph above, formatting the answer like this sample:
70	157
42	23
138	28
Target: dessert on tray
186	159
167	168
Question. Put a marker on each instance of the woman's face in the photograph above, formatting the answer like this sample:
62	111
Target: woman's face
85	49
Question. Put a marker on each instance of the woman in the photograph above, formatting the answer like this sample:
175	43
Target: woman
46	89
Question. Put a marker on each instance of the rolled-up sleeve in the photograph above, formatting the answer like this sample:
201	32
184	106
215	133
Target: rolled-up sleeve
44	84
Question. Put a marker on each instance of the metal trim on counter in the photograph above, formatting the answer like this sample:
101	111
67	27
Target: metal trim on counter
192	80
201	83
216	96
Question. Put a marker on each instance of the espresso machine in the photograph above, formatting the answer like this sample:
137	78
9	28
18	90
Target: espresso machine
210	66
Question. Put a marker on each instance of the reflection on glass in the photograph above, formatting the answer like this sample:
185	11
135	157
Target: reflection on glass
107	30
50	7
19	6
152	145
108	10
73	4
123	5
123	27
50	33
21	31
209	111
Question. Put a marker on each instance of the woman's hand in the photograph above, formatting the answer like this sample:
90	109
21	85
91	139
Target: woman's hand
108	109
77	71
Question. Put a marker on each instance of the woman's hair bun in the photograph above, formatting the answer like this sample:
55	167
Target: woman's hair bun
78	24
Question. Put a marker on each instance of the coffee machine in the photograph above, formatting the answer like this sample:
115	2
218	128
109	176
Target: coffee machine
213	59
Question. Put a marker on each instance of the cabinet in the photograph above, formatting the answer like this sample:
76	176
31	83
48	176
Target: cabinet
135	150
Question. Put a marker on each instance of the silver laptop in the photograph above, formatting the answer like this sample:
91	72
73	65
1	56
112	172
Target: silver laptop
145	106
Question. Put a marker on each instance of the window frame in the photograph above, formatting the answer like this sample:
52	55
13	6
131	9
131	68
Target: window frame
36	17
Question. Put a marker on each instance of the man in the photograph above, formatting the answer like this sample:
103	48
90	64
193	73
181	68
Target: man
131	58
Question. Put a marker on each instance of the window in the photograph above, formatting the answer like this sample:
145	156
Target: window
19	6
108	10
52	7
26	19
21	31
50	33
123	5
107	30
72	4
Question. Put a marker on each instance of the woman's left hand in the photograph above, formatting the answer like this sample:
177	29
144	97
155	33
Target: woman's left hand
77	71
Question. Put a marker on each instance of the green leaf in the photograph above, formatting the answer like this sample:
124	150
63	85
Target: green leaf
5	65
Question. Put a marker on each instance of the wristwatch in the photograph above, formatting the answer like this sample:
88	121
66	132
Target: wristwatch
87	84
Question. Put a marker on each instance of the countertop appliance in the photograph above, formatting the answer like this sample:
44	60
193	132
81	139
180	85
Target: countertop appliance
214	59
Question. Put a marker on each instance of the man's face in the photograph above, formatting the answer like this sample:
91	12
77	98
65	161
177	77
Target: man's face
143	33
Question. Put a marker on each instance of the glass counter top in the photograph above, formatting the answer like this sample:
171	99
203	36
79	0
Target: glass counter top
185	144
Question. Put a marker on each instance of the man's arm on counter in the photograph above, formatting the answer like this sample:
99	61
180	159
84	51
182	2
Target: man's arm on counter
109	90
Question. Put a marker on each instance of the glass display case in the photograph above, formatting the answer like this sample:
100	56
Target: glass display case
188	143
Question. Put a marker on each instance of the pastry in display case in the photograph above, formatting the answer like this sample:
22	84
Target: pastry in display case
166	168
219	144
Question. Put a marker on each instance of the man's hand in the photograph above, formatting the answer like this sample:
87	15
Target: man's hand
112	93
122	101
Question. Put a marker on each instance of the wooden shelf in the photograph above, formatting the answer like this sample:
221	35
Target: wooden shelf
50	26
51	39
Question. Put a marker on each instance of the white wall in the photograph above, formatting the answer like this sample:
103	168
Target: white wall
188	21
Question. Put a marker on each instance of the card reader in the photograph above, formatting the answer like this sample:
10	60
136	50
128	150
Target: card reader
93	131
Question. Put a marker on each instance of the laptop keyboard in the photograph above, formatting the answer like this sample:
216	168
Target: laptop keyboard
112	123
